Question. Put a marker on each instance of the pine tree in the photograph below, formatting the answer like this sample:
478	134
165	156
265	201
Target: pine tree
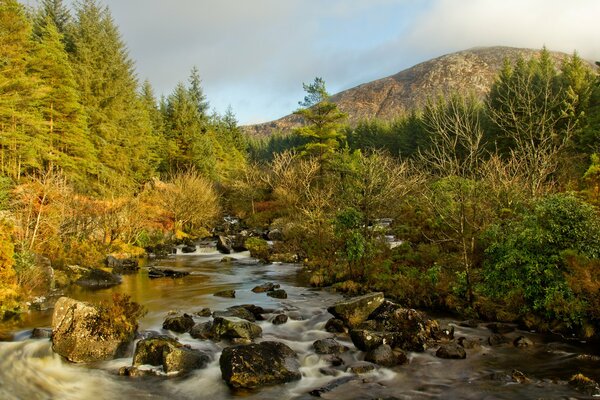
118	123
65	131
322	121
197	93
20	148
56	12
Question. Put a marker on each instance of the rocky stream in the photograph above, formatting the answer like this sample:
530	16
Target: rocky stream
265	335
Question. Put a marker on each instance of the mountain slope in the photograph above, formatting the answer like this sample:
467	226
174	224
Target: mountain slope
472	70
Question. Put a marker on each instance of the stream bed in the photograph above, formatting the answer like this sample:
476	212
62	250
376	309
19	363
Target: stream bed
30	370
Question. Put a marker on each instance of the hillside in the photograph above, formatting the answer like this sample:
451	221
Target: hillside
472	70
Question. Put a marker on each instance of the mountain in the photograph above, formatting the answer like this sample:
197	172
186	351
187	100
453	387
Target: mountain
472	70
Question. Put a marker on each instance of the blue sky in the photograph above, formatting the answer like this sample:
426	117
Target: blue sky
255	54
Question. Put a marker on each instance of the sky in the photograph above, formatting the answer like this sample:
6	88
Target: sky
254	55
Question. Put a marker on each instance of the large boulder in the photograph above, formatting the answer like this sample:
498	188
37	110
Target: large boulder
366	340
451	351
357	309
234	328
224	244
265	287
385	356
329	346
260	364
82	333
154	272
122	265
170	354
412	329
179	323
98	279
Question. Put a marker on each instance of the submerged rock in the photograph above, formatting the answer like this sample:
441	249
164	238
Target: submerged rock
202	331
187	249
232	328
329	346
335	325
170	354
266	287
226	293
331	385
81	333
277	294
362	367
280	319
522	342
154	273
41	333
497	340
260	364
205	312
179	323
357	309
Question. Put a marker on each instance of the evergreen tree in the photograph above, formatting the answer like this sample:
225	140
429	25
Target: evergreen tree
197	93
65	131
20	148
322	121
118	122
56	12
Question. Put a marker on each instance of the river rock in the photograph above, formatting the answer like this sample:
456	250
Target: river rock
135	372
468	343
80	333
179	323
362	367
266	287
237	312
280	319
224	244
357	309
329	346
335	325
202	331
227	259
205	312
451	351
331	385
260	364
231	328
122	265
187	249
497	340
154	272
522	342
365	340
519	377
170	354
98	279
41	333
257	311
226	293
386	357
412	330
585	385
277	294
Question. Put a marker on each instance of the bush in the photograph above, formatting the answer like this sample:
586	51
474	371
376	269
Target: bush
9	296
259	248
526	258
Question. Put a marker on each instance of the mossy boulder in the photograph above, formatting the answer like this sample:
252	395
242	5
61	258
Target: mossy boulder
357	309
81	332
385	356
329	346
259	364
234	328
179	323
170	354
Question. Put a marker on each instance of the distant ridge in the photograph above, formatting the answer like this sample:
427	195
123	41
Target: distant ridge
468	71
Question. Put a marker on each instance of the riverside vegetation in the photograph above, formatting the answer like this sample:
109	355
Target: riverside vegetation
495	200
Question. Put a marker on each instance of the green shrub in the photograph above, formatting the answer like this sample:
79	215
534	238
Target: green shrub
259	248
526	258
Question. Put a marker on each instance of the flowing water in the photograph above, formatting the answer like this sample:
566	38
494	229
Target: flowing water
30	370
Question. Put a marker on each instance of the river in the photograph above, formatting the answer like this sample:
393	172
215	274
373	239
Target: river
30	370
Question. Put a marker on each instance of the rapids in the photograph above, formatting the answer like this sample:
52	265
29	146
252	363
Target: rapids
30	370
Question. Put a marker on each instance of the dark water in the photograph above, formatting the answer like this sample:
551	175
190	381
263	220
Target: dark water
29	369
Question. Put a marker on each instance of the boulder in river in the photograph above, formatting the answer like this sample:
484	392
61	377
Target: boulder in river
265	287
277	294
41	333
366	340
224	244
154	272
98	279
451	351
335	325
522	342
122	265
232	328
202	330
362	367
226	293
329	346
386	357
280	319
357	309
168	353
82	333
188	248
179	323
497	340
259	364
